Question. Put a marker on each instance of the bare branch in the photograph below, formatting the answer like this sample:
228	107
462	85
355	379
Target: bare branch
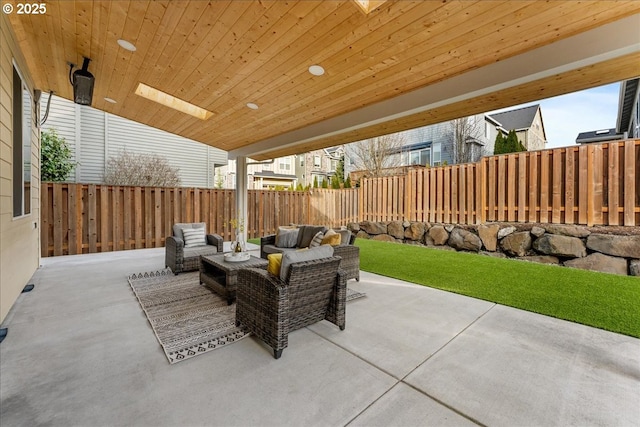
466	134
377	155
147	170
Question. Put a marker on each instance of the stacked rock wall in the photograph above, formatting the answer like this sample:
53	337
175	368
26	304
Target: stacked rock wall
606	250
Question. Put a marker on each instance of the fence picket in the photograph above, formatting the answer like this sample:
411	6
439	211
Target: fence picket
583	182
631	177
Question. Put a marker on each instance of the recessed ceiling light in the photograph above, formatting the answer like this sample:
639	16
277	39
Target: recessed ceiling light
126	45
316	70
252	105
113	101
171	101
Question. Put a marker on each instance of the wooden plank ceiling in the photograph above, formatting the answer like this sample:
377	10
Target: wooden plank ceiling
221	55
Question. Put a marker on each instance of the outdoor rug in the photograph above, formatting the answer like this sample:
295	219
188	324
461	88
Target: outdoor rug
187	318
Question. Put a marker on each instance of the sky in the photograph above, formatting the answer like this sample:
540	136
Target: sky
565	116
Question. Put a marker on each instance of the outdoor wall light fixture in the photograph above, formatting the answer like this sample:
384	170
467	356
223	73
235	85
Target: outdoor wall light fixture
82	82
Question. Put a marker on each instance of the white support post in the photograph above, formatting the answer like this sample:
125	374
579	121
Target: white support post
241	192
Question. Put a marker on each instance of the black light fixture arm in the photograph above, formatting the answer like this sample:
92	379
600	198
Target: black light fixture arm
71	71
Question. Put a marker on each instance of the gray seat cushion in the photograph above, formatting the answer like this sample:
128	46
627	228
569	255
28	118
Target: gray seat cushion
306	234
290	257
345	237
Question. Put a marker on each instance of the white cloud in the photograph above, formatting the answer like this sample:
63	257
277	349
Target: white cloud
567	115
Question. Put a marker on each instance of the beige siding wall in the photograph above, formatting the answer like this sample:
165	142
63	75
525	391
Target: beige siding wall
534	137
19	237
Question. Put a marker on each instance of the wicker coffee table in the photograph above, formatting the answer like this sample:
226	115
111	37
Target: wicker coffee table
222	276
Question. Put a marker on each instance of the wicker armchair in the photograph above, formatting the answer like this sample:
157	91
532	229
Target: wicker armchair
349	253
181	259
271	308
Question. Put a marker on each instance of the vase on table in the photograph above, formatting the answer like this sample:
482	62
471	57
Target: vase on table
238	247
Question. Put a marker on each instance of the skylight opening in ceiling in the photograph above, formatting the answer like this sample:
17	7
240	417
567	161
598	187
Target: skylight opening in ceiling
368	6
171	101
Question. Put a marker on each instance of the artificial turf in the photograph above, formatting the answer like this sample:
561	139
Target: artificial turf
602	300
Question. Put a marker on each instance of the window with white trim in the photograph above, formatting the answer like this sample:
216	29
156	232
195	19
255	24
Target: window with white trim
284	164
21	145
437	154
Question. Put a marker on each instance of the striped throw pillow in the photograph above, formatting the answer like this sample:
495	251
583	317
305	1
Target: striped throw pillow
317	240
194	237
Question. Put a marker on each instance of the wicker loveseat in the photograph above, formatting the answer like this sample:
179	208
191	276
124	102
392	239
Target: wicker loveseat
271	307
346	250
180	258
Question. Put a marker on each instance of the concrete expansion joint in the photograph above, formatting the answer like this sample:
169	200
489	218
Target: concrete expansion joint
403	379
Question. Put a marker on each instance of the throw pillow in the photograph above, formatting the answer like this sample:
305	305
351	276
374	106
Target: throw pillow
178	227
286	237
275	263
345	237
298	256
193	237
331	238
317	240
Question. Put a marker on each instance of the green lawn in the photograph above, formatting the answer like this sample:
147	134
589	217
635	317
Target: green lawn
601	300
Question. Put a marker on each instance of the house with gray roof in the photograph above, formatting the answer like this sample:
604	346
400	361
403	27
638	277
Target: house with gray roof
528	124
628	121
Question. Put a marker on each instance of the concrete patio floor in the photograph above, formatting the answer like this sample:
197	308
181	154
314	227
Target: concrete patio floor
80	352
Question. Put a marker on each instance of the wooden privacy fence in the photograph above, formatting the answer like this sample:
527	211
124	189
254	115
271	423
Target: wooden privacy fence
596	184
81	218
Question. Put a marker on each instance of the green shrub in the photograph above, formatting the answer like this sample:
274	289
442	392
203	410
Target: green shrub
55	163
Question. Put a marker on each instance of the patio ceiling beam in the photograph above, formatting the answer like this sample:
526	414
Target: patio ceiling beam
606	54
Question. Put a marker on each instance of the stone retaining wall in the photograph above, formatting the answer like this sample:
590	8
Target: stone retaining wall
568	245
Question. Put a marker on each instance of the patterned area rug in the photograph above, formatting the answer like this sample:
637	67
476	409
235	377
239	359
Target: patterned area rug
187	318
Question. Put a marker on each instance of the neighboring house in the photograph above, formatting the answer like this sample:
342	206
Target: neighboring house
261	175
318	164
434	145
95	136
628	121
598	136
528	124
285	171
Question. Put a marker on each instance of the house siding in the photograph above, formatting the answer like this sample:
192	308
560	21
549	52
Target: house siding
95	136
19	237
534	137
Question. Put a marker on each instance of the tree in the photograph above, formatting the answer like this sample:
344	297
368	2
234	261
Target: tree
465	131
56	164
141	170
335	182
315	181
347	182
377	155
340	170
508	144
219	182
325	183
299	187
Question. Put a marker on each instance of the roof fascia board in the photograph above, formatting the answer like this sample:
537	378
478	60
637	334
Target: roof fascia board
606	42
